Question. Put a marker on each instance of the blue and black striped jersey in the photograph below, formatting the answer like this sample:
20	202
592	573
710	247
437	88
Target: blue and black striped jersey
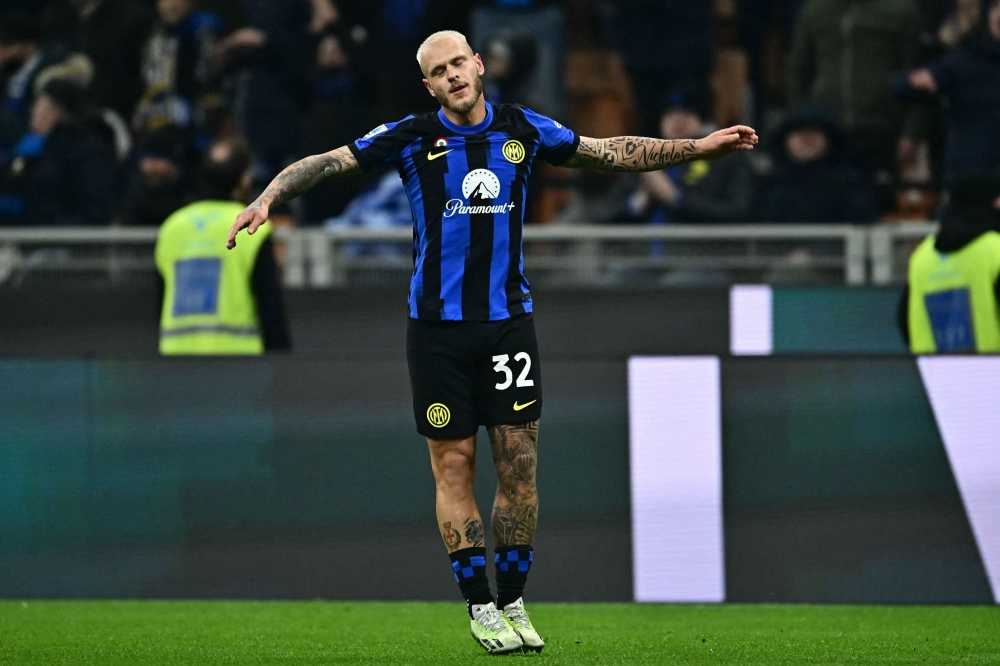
467	188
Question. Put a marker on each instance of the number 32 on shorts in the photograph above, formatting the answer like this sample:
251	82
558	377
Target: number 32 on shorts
522	379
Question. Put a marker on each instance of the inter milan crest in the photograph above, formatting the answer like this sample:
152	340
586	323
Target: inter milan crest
513	151
438	415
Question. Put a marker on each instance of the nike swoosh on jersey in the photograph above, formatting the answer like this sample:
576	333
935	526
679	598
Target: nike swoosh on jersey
432	156
518	407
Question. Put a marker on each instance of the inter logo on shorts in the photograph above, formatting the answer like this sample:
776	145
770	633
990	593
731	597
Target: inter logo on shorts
513	151
438	415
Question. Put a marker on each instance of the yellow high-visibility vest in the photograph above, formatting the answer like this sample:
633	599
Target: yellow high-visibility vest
953	305
208	304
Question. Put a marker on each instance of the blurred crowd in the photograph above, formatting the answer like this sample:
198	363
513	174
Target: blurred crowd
869	109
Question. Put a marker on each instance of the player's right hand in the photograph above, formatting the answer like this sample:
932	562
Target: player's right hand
250	219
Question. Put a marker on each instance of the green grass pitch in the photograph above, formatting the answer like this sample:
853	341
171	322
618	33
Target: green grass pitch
193	632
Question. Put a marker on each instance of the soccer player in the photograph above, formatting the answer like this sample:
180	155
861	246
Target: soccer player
471	349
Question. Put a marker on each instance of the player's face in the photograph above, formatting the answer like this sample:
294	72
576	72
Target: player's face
453	74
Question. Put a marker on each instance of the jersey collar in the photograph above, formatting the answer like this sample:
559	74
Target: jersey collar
471	129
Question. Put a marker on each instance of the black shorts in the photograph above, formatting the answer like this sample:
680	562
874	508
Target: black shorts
465	374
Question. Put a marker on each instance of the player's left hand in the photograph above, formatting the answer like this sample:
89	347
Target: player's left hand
726	141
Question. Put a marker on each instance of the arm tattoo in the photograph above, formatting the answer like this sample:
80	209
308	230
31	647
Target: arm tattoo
474	532
452	539
304	174
631	153
515	509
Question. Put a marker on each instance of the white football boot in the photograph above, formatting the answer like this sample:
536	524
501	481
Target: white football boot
493	631
518	617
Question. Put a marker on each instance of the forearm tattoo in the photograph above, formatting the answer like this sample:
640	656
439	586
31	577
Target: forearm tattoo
631	153
304	174
515	509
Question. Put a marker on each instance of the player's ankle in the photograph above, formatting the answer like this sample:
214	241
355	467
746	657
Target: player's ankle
512	565
469	566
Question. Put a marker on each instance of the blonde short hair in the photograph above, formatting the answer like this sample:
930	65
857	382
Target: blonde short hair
438	36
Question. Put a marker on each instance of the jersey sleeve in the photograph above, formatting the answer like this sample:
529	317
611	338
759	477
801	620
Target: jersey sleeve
383	145
558	143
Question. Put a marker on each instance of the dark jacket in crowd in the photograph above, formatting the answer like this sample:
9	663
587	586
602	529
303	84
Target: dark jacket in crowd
637	29
667	46
844	53
176	68
712	192
274	78
149	206
341	108
65	179
113	37
716	191
828	190
969	80
17	88
150	201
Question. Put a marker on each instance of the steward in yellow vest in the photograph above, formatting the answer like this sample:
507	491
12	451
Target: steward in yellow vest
954	278
216	301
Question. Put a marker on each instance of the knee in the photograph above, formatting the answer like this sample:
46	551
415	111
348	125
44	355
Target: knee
455	472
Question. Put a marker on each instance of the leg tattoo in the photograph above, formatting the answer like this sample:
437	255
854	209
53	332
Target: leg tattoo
474	532
452	539
515	509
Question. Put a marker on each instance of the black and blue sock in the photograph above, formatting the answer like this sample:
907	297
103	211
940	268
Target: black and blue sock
512	565
469	566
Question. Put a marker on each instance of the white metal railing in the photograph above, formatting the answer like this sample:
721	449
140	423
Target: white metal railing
568	255
890	247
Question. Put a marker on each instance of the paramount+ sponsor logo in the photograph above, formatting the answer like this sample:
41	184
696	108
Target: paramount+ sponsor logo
479	187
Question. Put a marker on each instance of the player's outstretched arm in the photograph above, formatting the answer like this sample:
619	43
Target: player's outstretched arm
290	183
636	153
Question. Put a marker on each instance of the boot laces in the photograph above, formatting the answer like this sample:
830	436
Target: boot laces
493	620
518	617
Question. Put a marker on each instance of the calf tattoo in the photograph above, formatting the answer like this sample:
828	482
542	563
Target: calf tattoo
474	532
515	509
452	538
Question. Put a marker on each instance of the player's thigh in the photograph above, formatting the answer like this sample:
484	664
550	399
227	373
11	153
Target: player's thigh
441	380
510	391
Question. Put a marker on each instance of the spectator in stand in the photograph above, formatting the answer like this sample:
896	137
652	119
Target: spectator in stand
843	54
61	171
397	28
274	55
340	110
22	57
162	183
112	33
177	65
510	60
667	47
755	18
719	191
812	179
955	28
968	79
